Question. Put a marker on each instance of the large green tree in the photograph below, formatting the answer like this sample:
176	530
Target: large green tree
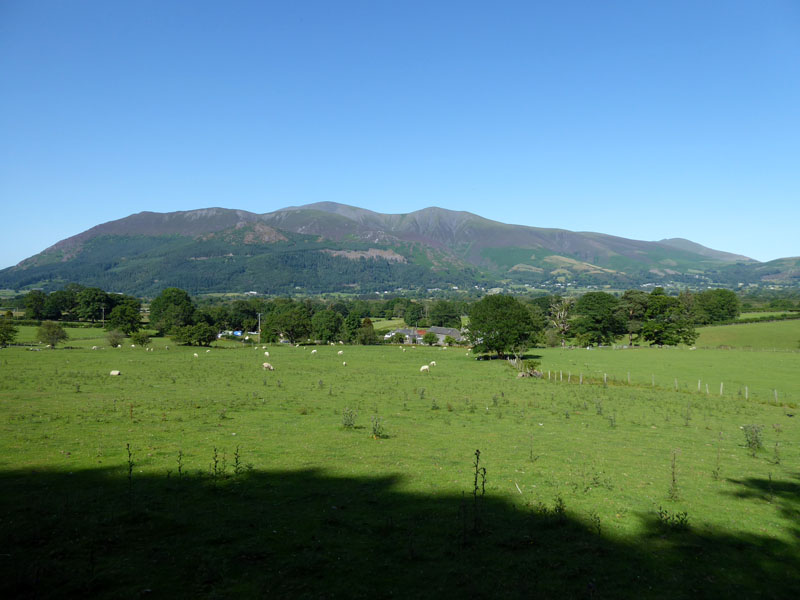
326	325
8	333
667	321
93	303
290	320
171	309
51	333
633	309
125	318
34	304
716	306
413	314
500	324
598	321
444	313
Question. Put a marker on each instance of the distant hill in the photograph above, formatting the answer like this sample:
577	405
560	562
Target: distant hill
328	247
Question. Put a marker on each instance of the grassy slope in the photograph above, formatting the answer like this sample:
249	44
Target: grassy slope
335	512
783	335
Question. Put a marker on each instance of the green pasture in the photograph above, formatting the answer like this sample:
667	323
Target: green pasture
773	335
244	482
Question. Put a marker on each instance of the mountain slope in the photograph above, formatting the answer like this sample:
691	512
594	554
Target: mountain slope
334	247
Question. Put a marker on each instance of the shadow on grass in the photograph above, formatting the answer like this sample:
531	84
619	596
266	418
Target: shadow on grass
308	534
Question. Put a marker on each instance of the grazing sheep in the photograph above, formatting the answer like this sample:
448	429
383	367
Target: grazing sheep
313	351
433	363
344	363
115	373
341	343
166	347
266	354
268	367
263	347
424	369
196	355
207	351
94	347
133	345
340	352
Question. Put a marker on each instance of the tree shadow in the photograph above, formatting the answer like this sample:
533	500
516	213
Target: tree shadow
307	533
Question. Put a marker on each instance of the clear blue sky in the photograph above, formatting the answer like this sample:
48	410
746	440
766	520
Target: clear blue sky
640	119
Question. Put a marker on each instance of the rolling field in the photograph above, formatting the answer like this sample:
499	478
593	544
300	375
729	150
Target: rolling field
778	335
245	482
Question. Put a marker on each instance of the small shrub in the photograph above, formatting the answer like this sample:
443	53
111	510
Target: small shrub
677	521
349	418
753	438
378	431
115	338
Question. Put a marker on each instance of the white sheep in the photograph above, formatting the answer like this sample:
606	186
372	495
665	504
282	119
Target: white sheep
268	367
340	352
424	369
341	343
115	373
94	347
133	345
207	351
313	351
344	363
433	363
266	354
196	355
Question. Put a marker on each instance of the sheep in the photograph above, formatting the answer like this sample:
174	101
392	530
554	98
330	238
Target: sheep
268	367
344	363
133	345
207	351
266	354
424	369
115	373
94	347
341	343
314	351
433	363
340	352
196	355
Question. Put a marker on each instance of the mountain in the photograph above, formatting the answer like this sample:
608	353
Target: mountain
326	247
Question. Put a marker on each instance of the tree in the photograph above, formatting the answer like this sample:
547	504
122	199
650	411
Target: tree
201	334
366	333
413	314
115	338
8	333
633	308
125	318
501	324
171	309
598	321
560	317
92	304
668	322
289	319
51	333
326	325
34	304
141	338
716	306
430	338
444	313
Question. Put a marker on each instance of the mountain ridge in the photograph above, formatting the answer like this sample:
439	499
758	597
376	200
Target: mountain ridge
222	249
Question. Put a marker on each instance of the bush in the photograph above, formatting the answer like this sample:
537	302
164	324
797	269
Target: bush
140	338
115	338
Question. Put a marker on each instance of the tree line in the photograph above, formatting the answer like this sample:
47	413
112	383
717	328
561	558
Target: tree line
496	323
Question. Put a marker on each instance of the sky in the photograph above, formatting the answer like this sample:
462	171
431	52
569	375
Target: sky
646	120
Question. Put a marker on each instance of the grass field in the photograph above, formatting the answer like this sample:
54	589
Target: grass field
246	483
779	335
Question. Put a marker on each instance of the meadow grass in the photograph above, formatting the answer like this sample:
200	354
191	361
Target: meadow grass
778	335
244	482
